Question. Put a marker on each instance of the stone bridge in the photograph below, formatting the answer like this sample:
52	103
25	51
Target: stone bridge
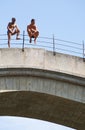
37	84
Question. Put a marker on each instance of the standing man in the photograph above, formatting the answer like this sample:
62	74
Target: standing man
12	30
32	31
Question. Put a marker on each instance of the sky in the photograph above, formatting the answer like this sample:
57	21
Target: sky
13	123
63	18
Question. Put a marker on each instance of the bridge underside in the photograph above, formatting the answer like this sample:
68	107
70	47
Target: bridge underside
43	106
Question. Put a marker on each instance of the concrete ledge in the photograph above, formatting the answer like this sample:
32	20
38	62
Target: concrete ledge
42	59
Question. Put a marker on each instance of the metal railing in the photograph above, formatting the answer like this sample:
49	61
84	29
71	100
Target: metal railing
51	44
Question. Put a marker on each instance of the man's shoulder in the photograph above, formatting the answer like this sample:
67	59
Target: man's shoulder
28	26
9	23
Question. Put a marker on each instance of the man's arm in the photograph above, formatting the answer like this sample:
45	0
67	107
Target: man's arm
8	27
28	28
15	26
36	29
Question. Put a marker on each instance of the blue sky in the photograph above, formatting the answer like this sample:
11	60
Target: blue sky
63	18
13	123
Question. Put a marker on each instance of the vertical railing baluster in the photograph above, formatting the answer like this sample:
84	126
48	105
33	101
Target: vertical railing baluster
83	51
23	40
54	53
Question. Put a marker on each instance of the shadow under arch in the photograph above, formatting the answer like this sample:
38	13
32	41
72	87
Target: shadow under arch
41	106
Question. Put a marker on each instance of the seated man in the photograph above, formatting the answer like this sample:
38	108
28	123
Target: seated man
32	31
12	29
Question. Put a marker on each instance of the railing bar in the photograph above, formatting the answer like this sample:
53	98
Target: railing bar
45	38
38	45
66	44
3	34
68	41
80	55
46	44
69	51
40	41
42	37
69	46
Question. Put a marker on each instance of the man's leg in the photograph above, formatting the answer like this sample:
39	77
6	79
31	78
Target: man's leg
9	38
30	36
30	40
18	33
35	36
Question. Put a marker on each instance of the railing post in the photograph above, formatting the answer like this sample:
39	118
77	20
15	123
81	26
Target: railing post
54	53
23	40
83	51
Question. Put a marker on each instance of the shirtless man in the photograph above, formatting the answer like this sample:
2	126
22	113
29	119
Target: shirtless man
12	29
32	31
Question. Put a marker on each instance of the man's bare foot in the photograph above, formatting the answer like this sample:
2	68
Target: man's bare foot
8	44
17	38
35	40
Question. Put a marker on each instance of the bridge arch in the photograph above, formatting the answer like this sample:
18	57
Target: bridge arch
42	92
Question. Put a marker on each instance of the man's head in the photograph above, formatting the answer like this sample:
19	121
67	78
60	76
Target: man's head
13	20
32	21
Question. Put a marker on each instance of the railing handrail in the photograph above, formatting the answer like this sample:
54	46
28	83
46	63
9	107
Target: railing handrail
52	44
